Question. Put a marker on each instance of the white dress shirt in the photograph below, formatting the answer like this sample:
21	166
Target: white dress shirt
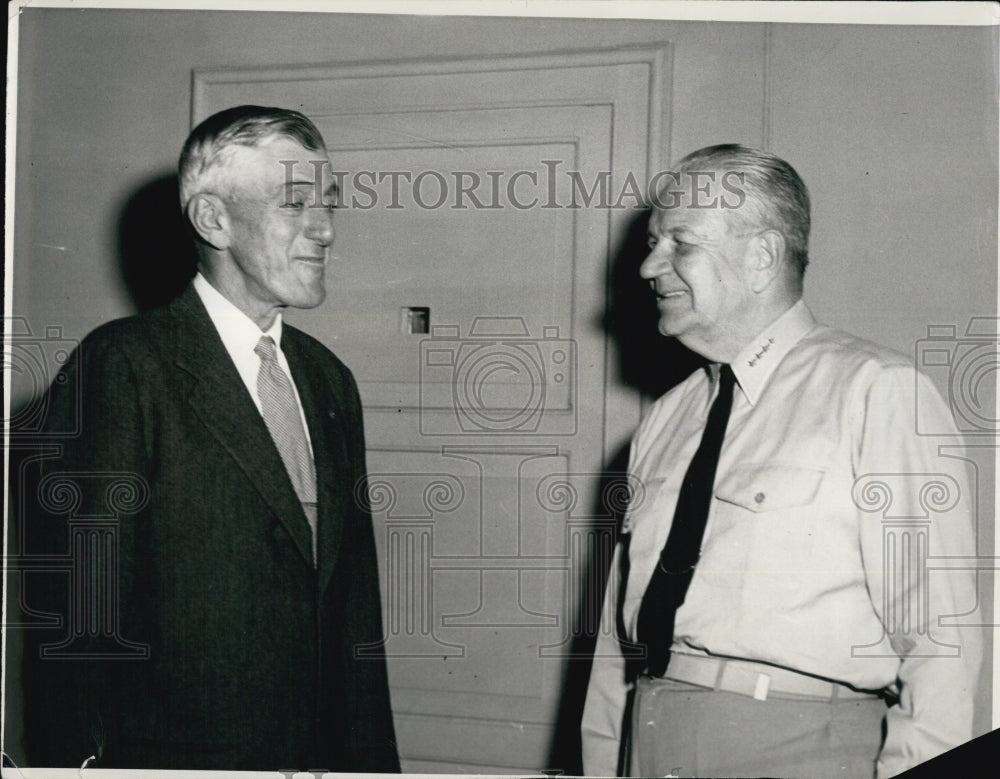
821	484
240	335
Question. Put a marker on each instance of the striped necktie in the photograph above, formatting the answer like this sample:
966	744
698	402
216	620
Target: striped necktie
281	415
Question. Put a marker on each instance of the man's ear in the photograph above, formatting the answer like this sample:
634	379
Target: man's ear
207	214
767	256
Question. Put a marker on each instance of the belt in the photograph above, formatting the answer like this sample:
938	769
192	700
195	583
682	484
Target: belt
757	680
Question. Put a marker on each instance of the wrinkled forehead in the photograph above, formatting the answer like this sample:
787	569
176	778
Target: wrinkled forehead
277	162
700	188
710	198
692	220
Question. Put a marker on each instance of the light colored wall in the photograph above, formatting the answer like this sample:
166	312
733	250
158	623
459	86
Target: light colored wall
893	129
105	107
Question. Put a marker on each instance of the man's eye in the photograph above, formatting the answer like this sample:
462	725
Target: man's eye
297	205
676	244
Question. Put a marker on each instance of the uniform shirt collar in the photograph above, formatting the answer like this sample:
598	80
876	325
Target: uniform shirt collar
754	365
239	332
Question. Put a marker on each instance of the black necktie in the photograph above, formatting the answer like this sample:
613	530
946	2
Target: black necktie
672	575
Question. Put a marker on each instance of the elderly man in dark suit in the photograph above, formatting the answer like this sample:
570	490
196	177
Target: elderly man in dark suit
240	593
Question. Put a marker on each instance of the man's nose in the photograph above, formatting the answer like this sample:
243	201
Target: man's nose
320	226
656	263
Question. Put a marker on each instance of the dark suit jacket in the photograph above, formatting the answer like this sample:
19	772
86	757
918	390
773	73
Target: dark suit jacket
226	647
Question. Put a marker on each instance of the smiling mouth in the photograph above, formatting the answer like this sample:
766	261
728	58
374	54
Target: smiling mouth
670	295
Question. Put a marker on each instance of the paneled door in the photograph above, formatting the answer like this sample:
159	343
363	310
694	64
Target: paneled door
482	203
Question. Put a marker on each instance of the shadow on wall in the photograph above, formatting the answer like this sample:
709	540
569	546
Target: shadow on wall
155	244
157	259
650	364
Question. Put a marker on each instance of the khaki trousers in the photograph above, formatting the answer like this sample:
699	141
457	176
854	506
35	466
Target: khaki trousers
683	730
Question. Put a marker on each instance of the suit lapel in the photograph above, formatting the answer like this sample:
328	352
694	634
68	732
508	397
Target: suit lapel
220	400
323	402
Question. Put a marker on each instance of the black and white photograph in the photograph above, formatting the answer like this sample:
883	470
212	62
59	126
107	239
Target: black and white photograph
545	388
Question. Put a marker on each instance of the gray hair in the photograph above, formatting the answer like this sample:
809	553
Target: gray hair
211	143
776	197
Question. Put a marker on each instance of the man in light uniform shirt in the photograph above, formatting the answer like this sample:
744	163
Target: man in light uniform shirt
809	618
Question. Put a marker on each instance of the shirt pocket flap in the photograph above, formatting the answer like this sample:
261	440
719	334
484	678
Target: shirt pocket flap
769	487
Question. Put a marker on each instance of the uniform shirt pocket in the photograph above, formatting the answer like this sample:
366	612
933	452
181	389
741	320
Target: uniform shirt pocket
764	526
769	486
